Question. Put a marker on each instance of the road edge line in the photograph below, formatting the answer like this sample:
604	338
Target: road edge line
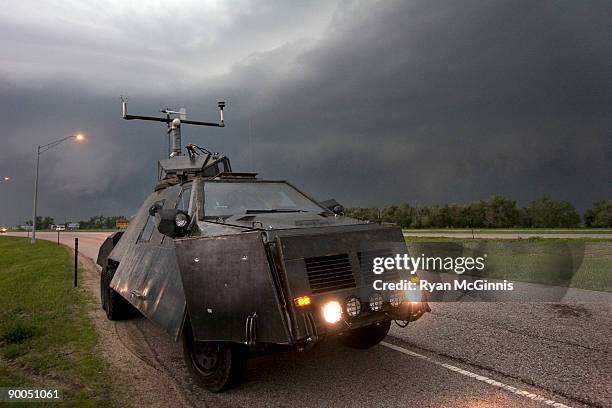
478	377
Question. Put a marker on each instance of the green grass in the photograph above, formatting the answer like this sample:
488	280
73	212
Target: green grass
504	240
46	338
84	230
98	230
584	263
514	230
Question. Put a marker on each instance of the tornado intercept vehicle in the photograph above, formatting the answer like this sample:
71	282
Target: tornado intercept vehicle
233	266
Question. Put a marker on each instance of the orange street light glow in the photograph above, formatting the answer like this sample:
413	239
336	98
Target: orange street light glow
79	137
6	178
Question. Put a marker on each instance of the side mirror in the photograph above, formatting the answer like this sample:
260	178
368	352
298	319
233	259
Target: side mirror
334	206
173	223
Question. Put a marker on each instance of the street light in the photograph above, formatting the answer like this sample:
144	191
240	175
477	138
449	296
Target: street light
5	179
41	149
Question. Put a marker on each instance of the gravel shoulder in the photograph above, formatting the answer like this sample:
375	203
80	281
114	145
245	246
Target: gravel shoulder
138	380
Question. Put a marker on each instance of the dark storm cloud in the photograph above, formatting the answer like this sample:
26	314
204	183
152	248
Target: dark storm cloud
426	102
395	101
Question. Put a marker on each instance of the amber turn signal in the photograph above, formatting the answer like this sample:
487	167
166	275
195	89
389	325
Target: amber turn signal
302	301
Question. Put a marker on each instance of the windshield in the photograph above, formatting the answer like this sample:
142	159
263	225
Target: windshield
224	199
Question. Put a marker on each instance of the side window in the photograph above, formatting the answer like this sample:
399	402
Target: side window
183	199
147	231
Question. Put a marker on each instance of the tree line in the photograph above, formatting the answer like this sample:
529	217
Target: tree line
96	222
101	222
496	212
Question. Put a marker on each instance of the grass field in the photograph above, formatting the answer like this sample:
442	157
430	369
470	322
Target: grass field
75	230
46	338
515	230
584	263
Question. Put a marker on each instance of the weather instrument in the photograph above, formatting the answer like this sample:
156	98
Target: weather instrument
174	119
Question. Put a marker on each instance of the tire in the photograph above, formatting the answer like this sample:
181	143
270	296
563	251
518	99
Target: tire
116	307
214	366
103	289
366	337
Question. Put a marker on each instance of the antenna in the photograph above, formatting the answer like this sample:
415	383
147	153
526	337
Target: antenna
173	119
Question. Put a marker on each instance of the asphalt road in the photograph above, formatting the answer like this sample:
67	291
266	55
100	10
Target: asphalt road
459	355
89	242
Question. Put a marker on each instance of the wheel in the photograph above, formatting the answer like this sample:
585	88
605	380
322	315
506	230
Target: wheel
366	337
114	305
215	366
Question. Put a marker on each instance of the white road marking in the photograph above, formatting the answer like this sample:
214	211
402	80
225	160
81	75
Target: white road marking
481	378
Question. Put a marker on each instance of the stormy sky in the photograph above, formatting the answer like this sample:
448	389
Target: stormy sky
368	102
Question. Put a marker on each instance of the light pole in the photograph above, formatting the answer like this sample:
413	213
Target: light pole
5	179
41	149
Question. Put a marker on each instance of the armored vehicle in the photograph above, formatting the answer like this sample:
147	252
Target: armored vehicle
233	266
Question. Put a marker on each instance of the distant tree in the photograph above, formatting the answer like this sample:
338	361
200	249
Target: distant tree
547	213
42	222
501	213
405	215
496	212
600	216
475	214
456	216
524	221
390	214
100	222
425	218
369	214
437	217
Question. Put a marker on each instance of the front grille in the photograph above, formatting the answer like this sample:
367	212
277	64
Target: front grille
328	273
366	261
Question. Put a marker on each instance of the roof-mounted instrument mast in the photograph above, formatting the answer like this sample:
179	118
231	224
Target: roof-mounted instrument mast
174	119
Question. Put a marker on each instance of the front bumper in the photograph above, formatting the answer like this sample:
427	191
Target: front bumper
335	266
317	327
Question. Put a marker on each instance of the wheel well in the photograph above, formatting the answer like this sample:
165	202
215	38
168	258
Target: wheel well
106	248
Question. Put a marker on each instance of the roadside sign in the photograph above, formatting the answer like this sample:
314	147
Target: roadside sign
122	224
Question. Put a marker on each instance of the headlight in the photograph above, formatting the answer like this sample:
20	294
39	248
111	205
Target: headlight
376	302
181	220
353	306
332	312
413	295
395	299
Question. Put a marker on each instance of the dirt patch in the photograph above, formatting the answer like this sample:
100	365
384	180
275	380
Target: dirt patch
137	378
565	310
